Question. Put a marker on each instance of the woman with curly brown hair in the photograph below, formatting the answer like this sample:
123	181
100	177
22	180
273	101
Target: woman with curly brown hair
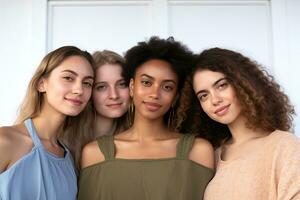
150	160
243	112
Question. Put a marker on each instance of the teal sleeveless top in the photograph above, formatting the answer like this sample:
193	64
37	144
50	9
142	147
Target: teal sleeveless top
39	175
175	178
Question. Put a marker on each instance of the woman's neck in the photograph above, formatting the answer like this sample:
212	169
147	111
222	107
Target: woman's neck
145	129
48	127
241	133
104	126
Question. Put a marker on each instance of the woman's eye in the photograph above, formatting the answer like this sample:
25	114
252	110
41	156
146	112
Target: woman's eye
202	97
87	84
68	78
168	87
101	87
122	85
222	85
146	83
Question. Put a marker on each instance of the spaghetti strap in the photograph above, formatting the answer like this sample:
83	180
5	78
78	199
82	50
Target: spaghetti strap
184	146
107	147
32	132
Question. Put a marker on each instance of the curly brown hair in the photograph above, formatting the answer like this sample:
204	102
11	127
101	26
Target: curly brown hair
263	103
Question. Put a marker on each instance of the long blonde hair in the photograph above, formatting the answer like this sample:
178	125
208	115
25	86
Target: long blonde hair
75	128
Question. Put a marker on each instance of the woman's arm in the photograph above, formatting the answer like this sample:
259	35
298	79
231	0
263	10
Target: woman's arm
287	173
6	150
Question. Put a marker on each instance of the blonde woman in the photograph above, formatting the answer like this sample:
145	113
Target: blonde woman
110	100
110	94
34	163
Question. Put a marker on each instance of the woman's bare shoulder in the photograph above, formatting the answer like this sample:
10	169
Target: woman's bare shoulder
12	139
91	154
202	153
12	135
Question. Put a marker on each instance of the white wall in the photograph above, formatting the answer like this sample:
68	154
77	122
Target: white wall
15	68
23	42
291	79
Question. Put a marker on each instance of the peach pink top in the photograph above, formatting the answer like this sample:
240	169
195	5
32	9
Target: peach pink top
270	172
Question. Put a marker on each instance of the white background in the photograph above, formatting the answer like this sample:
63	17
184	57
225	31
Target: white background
265	30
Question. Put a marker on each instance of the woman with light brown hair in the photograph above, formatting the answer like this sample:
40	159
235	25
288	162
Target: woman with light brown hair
110	94
239	107
110	100
35	163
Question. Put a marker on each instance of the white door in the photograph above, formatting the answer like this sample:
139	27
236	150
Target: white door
117	25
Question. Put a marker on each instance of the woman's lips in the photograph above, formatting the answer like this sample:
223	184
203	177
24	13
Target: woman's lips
114	105
222	110
152	106
75	102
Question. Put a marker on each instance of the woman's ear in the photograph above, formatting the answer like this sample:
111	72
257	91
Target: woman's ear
131	87
41	86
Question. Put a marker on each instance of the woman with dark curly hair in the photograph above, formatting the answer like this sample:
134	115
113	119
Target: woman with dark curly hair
150	160
243	112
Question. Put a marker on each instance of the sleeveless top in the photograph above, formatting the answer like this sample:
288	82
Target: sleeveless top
39	175
175	178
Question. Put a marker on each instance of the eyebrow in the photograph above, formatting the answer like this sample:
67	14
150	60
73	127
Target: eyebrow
167	80
214	84
100	82
119	80
76	74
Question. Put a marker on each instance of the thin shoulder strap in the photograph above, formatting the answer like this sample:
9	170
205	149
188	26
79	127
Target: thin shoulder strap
32	132
184	146
107	146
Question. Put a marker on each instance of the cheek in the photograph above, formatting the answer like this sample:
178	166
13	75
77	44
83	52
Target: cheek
234	99
124	94
88	92
231	93
99	97
169	97
205	107
139	91
98	102
238	107
57	87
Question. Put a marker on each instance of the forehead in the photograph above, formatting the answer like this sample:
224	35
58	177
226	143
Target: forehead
108	72
77	64
158	69
205	78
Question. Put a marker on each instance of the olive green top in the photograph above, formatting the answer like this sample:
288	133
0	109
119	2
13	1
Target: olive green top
175	178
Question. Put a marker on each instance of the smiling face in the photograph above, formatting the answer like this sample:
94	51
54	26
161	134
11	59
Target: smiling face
216	96
110	93
68	87
153	89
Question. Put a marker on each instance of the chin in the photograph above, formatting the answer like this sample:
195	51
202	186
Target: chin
72	113
223	120
112	114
